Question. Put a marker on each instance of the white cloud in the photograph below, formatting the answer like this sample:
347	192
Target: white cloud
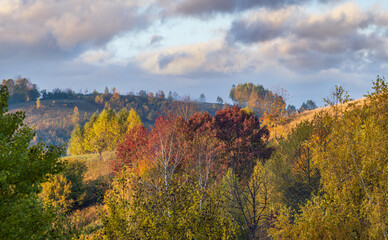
209	57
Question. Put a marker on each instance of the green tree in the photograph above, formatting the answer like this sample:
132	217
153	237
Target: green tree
220	100
202	97
23	167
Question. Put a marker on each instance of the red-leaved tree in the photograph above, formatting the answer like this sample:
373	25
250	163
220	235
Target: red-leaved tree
132	149
244	139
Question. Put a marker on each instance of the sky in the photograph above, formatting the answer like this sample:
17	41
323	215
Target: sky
196	46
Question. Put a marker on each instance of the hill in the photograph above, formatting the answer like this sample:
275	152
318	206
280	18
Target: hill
55	118
308	115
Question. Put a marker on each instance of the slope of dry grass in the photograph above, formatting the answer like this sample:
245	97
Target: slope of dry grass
291	122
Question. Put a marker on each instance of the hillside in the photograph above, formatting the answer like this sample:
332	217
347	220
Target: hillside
308	115
55	119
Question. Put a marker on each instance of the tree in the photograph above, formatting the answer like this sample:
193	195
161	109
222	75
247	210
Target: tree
105	132
131	150
76	142
23	167
249	203
202	97
350	151
309	105
244	139
37	103
220	100
21	90
184	108
170	97
293	173
133	120
291	110
122	119
106	91
75	118
56	193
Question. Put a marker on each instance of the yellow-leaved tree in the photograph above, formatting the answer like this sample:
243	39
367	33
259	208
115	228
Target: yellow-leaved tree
133	119
351	153
105	132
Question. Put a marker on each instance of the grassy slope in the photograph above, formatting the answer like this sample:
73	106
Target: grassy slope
96	179
309	115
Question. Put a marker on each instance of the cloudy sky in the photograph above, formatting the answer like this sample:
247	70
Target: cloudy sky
196	46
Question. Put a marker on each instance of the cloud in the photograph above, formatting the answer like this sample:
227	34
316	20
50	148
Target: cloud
155	39
262	25
165	60
207	8
197	59
345	37
68	23
95	57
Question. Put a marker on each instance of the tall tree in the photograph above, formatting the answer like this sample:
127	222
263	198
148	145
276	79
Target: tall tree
76	142
23	167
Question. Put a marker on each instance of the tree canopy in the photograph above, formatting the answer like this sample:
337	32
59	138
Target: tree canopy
23	167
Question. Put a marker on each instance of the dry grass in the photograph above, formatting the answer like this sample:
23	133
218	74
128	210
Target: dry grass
309	115
96	167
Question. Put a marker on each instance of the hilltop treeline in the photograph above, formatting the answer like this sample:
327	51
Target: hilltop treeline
262	100
21	90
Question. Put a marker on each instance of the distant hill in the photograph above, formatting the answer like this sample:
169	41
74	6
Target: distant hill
55	119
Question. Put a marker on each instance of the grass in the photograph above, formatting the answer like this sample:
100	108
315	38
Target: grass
292	121
96	167
97	180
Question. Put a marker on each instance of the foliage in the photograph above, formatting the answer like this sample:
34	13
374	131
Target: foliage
136	210
103	132
59	94
351	153
294	175
171	176
309	105
22	168
56	193
249	203
243	137
38	103
131	149
74	172
76	145
220	100
21	90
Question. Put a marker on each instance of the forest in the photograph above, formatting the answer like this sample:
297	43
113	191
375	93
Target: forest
181	172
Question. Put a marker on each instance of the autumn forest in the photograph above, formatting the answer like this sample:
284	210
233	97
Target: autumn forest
163	166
